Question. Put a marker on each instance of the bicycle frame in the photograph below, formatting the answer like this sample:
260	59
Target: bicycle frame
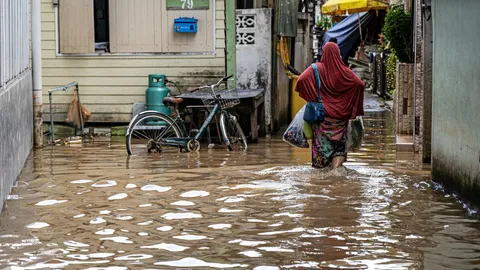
183	142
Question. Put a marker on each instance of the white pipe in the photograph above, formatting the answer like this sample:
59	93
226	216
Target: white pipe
360	27
57	50
37	72
36	46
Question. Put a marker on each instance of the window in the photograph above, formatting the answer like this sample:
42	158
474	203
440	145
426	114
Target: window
249	4
101	21
133	26
244	4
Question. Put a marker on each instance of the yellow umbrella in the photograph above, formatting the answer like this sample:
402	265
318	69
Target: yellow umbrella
340	7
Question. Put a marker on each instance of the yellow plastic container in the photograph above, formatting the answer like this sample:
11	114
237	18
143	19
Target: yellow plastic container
297	104
308	131
297	101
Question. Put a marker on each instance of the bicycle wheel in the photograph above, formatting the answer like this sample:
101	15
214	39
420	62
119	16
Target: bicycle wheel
145	137
232	133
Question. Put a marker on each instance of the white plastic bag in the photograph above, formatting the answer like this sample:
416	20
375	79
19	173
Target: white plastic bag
294	134
355	133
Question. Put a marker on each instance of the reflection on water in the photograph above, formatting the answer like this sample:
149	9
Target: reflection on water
92	207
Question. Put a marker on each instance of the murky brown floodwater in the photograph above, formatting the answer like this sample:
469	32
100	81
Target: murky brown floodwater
92	208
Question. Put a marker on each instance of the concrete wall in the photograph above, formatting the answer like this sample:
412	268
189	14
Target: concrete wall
456	96
423	82
16	130
254	53
303	43
280	97
403	101
426	122
418	71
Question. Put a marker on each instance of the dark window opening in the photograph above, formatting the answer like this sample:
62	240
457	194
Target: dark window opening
102	35
245	4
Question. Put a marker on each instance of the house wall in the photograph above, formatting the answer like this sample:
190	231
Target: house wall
111	84
426	124
16	122
456	96
16	93
423	82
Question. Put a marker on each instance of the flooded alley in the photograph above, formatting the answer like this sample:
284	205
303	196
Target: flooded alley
92	207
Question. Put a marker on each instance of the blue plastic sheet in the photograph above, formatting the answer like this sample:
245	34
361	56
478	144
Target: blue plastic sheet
347	32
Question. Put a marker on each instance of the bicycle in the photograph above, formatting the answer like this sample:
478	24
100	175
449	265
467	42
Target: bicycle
153	131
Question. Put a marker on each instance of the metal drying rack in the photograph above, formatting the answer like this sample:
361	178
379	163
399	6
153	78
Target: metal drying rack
64	88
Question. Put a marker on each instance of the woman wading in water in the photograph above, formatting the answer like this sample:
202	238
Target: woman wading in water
342	95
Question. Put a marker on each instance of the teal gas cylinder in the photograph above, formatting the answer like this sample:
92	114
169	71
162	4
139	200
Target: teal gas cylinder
156	91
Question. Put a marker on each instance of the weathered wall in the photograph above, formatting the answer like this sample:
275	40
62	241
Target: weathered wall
254	53
408	5
456	96
280	97
426	126
403	101
418	71
303	43
110	84
423	83
16	130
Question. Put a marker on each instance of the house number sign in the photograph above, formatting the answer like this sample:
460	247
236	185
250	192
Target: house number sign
188	4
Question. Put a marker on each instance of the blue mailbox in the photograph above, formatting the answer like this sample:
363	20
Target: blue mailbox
185	25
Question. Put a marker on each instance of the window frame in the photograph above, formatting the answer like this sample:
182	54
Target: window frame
112	55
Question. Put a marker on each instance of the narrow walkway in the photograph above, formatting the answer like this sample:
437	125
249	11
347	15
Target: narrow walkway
92	206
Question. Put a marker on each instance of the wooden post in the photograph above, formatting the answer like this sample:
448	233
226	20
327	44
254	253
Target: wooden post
382	75
256	104
254	123
261	116
77	91
374	75
360	28
271	3
231	43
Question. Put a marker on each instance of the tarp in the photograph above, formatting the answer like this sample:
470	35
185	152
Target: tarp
338	7
347	32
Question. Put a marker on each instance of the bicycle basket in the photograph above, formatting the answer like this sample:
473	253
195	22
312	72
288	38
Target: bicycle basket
227	98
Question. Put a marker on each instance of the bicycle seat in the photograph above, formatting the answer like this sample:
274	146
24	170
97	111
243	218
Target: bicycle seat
172	100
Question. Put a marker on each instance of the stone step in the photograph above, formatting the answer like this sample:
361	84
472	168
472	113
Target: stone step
404	143
62	130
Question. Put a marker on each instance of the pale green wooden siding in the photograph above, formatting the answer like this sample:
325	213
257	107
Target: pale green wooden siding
109	85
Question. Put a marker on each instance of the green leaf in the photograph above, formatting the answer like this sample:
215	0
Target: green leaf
398	31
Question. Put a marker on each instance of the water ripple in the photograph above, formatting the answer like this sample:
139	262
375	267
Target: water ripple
168	247
264	209
192	262
194	194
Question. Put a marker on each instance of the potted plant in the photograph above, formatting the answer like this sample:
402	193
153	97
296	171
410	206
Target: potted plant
318	25
397	33
323	24
398	40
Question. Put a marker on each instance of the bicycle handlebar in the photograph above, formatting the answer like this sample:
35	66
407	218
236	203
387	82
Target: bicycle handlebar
224	79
